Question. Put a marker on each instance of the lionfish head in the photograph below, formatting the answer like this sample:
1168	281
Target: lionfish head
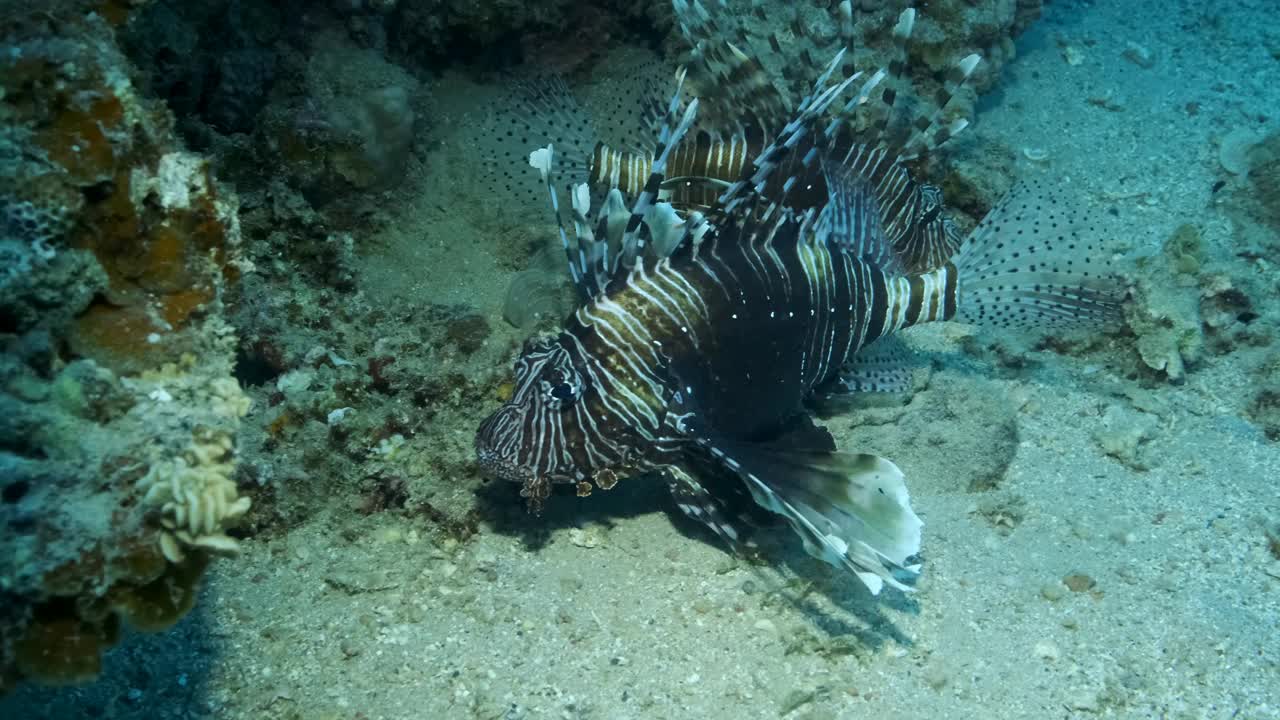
536	438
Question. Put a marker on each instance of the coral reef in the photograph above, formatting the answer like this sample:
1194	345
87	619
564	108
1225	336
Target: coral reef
556	35
211	61
117	405
1188	301
349	127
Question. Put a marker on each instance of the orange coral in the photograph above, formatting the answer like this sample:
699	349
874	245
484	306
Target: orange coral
59	648
64	642
78	140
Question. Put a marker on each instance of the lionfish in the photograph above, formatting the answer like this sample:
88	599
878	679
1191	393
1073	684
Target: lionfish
708	322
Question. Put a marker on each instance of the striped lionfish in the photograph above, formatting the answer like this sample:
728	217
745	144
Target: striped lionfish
707	323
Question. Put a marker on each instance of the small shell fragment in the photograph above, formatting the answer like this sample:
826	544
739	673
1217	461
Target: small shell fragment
1037	155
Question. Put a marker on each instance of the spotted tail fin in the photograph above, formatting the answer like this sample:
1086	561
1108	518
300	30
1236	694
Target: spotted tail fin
1025	265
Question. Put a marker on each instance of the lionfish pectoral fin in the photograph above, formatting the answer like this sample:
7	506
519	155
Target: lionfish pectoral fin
851	510
698	503
851	219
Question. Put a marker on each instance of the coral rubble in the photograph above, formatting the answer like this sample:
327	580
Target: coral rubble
117	405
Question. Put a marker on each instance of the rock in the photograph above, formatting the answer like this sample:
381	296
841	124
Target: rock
1079	582
588	538
1046	650
1139	55
1053	591
1165	312
1234	150
1123	433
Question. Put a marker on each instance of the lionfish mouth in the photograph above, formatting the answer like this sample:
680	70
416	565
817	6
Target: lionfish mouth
496	466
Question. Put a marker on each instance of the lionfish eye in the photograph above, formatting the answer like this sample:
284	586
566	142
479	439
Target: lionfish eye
564	392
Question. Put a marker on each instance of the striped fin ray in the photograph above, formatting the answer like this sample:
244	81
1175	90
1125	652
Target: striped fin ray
735	81
744	194
588	258
633	238
851	108
897	70
697	502
584	252
930	132
851	510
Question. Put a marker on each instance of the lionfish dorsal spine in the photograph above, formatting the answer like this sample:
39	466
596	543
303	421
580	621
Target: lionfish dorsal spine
807	114
543	160
930	132
897	67
633	238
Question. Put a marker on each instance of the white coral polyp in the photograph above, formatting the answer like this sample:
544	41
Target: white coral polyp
197	499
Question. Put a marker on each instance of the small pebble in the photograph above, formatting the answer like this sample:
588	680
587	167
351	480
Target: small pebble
937	677
1053	592
1139	55
589	538
1079	582
1034	154
1046	650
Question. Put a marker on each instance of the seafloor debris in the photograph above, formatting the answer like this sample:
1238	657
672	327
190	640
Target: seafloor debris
1123	434
1264	176
117	407
1165	313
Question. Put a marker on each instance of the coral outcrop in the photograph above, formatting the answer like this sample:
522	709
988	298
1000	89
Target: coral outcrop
794	41
1165	313
117	405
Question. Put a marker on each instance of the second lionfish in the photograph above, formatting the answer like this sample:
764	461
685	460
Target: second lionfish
706	326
